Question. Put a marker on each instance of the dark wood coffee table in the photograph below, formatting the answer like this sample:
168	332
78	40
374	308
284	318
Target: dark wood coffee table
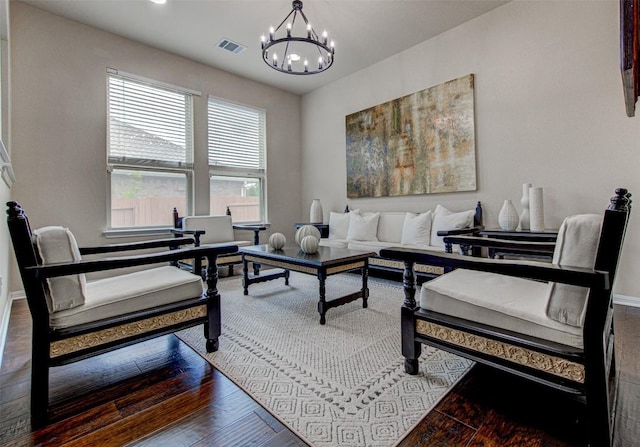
326	262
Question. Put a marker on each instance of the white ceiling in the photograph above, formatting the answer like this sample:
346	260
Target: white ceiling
365	31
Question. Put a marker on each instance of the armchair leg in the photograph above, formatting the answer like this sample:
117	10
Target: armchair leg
411	349
39	383
411	366
213	327
213	345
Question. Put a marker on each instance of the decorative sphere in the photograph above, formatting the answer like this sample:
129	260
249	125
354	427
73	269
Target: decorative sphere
309	244
306	230
277	241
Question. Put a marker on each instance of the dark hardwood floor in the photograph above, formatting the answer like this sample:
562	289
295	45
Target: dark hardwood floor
161	393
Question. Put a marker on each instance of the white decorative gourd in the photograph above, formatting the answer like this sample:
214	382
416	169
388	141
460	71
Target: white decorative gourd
306	230
309	244
277	241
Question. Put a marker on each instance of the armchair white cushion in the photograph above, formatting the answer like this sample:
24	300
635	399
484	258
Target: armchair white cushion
57	244
550	311
123	294
576	246
218	229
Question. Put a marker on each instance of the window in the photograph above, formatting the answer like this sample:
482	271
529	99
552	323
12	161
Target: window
237	153
149	151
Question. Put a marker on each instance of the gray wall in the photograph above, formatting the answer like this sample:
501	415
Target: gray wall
59	122
549	111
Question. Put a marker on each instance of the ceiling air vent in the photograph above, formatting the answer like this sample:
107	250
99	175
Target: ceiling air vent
231	46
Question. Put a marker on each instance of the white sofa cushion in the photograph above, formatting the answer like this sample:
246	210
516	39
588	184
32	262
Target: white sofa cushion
576	246
501	301
57	244
363	227
131	292
338	225
390	226
374	246
443	220
336	243
416	229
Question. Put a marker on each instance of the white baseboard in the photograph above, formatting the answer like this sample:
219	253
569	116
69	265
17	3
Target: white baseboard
625	300
4	323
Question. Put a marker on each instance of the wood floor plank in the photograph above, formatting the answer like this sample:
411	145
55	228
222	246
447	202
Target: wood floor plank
250	430
439	429
202	423
149	420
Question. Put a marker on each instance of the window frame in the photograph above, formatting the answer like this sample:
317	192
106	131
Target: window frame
186	168
236	172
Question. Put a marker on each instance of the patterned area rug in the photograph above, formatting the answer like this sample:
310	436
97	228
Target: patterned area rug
341	384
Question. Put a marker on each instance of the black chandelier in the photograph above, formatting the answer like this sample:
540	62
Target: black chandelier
297	49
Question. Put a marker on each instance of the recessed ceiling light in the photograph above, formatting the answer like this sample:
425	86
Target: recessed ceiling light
158	2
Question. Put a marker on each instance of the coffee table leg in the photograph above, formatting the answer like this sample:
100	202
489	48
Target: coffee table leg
365	288
245	275
322	303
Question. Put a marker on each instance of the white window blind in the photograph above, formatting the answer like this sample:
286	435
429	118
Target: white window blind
236	137
148	125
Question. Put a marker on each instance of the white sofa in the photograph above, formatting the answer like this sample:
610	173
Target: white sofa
359	230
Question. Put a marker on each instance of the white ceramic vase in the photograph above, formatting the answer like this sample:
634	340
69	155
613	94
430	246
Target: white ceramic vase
315	212
524	202
508	218
536	209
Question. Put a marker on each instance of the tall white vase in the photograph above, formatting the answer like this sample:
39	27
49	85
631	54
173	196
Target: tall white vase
524	202
315	212
508	217
536	208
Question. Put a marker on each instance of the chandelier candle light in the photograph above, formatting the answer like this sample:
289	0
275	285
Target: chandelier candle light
295	48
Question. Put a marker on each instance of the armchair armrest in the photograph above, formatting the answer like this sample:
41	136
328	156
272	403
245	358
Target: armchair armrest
474	231
467	230
512	246
95	265
526	269
178	232
256	228
156	243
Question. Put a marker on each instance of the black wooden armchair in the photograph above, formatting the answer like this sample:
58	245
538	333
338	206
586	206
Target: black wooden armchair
74	318
215	230
551	323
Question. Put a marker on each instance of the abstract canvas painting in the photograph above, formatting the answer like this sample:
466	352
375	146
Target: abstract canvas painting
422	143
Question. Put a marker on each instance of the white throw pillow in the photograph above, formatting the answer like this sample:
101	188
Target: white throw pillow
416	229
363	228
57	244
444	220
338	225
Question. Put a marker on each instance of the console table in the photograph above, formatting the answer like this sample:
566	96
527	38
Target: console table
324	228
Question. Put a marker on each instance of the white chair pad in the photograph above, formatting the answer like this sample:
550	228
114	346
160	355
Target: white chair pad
131	292
500	301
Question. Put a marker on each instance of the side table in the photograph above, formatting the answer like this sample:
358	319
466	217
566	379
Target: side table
324	228
522	236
